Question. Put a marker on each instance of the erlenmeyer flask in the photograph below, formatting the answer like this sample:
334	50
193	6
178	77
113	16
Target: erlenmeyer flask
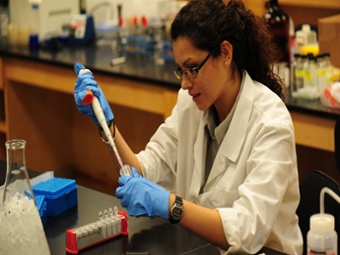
21	229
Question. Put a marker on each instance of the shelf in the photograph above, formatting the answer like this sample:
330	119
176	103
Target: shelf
303	11
325	4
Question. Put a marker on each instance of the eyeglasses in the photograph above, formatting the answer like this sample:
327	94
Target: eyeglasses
191	72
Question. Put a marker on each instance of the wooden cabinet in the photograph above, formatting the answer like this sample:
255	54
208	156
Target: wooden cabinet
258	5
37	105
40	109
324	4
302	11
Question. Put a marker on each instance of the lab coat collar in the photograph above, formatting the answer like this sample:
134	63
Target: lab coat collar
200	151
233	141
232	144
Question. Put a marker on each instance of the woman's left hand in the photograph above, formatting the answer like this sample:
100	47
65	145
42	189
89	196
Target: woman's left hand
142	197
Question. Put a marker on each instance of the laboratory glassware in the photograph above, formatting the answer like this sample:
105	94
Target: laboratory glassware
22	231
278	22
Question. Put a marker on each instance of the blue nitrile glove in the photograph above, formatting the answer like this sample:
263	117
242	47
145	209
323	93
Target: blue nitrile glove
84	82
142	197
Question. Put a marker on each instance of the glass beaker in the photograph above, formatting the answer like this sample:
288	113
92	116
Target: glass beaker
21	227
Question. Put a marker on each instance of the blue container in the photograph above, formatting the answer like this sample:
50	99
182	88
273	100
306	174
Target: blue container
60	194
139	45
41	204
167	52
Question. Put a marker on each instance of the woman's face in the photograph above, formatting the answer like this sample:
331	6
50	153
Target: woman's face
209	86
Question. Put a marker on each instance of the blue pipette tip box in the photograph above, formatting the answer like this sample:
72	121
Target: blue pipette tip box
60	194
41	204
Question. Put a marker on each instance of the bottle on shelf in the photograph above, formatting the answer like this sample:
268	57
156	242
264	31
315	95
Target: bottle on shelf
329	67
301	64
311	87
321	71
279	24
293	78
306	36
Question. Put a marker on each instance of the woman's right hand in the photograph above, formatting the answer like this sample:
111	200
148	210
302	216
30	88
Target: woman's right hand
86	82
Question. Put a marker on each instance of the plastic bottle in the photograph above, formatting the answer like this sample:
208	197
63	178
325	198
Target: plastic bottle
306	77
329	68
311	90
300	72
293	79
322	238
299	77
305	36
321	71
314	74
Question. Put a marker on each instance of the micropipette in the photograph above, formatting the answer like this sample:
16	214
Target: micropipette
98	111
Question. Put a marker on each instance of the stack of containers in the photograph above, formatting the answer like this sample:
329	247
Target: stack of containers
54	195
60	194
310	75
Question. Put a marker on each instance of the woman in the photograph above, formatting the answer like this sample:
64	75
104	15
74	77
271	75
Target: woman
225	158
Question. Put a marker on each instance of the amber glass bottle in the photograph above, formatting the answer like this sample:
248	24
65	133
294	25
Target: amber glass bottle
278	21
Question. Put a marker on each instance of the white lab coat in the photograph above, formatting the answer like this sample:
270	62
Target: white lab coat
253	182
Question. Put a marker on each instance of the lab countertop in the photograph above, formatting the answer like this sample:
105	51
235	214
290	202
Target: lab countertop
314	107
156	236
98	59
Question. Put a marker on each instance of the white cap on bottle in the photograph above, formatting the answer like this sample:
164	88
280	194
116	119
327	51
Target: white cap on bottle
322	223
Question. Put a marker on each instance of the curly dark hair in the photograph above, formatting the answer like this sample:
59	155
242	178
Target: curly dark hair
206	23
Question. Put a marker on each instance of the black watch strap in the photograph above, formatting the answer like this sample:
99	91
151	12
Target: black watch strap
176	210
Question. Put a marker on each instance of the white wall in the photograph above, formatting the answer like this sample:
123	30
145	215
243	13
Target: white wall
130	8
46	23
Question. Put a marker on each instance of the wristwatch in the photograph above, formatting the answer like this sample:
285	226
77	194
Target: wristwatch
176	211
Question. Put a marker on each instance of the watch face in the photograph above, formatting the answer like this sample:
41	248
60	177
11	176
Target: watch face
177	212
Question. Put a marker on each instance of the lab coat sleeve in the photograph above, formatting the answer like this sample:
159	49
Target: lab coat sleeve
268	196
159	159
